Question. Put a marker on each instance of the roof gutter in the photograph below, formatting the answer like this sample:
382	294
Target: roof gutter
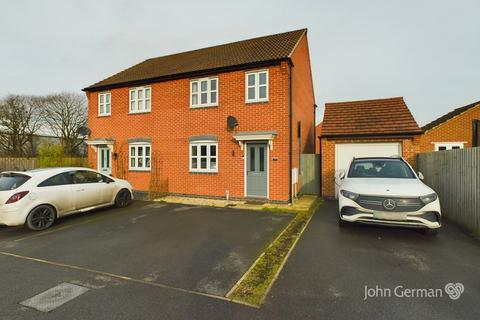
94	87
370	135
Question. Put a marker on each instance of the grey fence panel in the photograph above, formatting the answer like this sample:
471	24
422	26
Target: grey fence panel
310	174
455	176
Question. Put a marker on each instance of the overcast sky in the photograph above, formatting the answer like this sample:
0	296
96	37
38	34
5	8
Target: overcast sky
426	51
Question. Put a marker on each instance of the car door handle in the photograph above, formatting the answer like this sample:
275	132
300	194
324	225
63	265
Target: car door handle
80	189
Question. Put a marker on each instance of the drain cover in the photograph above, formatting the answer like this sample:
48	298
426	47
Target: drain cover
54	297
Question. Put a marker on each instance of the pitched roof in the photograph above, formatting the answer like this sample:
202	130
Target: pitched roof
254	51
379	117
448	116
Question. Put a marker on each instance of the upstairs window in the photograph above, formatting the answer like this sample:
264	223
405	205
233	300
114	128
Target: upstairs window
203	157
104	104
204	92
256	86
140	100
140	155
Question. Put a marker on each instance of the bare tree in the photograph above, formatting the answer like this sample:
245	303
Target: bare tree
64	114
20	119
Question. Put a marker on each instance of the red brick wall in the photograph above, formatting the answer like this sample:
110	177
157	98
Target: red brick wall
171	122
303	102
409	149
318	132
456	129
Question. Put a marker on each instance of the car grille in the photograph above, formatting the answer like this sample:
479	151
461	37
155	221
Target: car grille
400	204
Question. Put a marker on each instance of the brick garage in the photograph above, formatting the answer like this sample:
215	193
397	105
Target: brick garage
381	122
457	129
171	123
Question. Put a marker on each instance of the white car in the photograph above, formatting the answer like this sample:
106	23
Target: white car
36	198
387	191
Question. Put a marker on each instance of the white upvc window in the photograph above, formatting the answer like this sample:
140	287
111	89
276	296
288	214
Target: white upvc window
204	92
140	99
203	156
140	156
256	86
440	146
104	104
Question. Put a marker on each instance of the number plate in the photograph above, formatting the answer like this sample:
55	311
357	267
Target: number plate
382	215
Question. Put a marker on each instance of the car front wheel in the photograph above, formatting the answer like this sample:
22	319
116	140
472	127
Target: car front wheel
41	218
123	198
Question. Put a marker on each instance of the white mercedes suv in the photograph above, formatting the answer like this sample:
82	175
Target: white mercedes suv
387	191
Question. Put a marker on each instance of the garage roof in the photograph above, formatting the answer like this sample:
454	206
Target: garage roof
378	117
449	116
244	53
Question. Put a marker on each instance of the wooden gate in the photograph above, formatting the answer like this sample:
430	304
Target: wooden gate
310	174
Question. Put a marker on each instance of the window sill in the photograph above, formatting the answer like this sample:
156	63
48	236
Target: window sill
204	172
204	107
257	102
139	170
141	112
104	115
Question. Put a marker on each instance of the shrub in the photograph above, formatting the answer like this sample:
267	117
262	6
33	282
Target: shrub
53	155
50	155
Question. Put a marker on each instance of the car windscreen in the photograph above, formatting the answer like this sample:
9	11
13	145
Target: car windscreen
10	181
380	168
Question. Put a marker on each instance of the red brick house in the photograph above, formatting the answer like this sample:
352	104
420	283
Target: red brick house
381	127
229	120
457	129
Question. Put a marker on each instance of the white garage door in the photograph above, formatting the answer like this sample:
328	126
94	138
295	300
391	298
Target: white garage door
345	152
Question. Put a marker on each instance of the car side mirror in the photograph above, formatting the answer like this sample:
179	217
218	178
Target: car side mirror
420	176
341	175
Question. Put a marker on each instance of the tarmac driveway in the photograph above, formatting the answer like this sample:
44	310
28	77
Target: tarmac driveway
200	249
326	275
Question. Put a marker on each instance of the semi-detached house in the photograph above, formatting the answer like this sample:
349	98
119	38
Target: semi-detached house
229	120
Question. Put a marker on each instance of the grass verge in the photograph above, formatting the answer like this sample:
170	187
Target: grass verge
253	287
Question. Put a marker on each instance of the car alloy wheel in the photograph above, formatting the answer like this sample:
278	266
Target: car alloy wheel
123	198
41	218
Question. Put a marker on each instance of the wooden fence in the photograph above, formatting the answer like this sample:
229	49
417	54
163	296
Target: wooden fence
22	164
455	176
310	174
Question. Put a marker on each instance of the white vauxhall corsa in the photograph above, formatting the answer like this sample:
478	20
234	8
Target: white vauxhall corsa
387	191
36	198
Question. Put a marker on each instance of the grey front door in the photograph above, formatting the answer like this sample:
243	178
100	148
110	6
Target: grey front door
104	160
257	170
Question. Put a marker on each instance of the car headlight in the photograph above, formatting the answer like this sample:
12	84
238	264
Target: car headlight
429	198
350	195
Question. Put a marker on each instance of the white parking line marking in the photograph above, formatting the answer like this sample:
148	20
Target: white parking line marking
54	297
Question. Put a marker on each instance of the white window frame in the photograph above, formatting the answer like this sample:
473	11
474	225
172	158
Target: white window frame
144	157
137	104
257	86
199	92
104	104
199	144
448	145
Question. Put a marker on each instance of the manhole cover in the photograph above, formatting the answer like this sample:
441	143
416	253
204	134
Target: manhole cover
54	297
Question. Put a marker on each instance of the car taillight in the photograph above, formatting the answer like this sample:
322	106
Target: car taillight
17	196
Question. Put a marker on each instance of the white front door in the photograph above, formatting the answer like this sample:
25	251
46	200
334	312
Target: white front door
345	152
104	160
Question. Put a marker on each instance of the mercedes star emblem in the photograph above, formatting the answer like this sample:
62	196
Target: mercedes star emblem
389	204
